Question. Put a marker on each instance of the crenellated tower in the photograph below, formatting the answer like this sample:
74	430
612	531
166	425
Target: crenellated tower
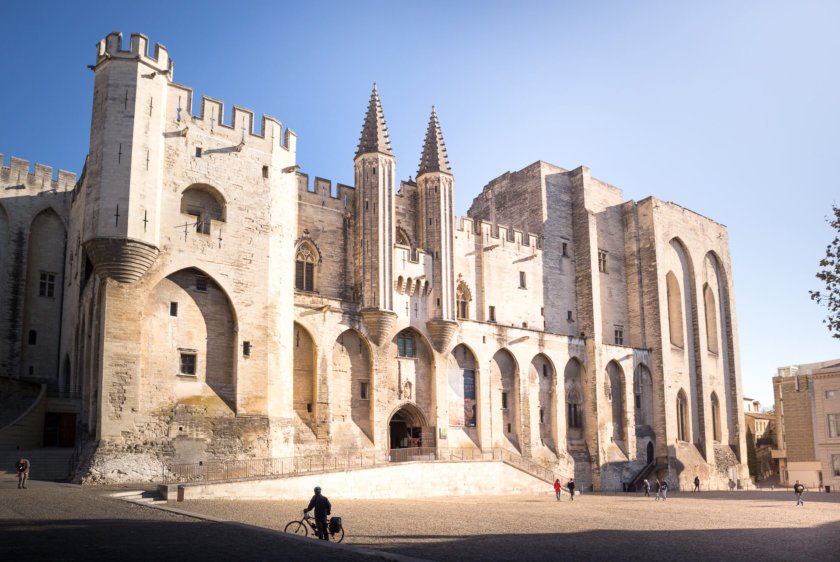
435	223
374	237
124	168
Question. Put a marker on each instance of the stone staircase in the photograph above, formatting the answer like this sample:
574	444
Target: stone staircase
49	463
583	469
16	397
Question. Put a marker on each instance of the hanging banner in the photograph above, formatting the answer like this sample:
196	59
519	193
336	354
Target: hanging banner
462	402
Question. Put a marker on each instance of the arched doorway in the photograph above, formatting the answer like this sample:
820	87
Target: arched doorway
407	429
650	452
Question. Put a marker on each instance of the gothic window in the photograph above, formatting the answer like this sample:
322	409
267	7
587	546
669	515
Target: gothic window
574	410
462	299
405	344
711	319
305	268
682	417
715	417
402	240
674	309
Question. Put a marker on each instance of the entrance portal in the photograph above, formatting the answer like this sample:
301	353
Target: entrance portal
649	452
407	429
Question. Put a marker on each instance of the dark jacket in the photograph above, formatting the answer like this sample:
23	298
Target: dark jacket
321	504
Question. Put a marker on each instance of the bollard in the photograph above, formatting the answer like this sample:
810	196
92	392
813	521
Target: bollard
180	492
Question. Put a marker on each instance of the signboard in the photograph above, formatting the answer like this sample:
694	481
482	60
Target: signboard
462	402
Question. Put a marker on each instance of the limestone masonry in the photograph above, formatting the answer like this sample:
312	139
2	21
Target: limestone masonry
192	296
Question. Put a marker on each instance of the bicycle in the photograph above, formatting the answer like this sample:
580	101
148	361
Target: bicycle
300	528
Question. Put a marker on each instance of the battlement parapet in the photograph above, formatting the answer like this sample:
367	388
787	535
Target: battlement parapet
320	193
495	232
41	179
211	119
111	48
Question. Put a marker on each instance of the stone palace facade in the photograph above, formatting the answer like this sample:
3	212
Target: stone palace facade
193	296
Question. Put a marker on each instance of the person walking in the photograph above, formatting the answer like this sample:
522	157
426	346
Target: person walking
22	467
696	483
664	490
646	486
798	490
571	487
732	485
322	508
657	487
558	489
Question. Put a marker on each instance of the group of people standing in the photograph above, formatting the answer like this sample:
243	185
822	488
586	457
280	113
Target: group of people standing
659	486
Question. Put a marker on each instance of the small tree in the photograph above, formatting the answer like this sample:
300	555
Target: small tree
829	274
752	463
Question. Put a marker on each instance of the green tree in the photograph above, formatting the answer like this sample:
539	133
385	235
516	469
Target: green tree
752	463
829	274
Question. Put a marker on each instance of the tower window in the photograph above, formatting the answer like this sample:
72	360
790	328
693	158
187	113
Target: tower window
265	172
565	250
198	152
602	261
188	364
305	268
491	315
569	316
363	391
33	337
619	335
201	283
405	344
522	284
173	309
246	348
46	287
504	401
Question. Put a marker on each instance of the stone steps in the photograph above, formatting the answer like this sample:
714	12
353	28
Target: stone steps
51	463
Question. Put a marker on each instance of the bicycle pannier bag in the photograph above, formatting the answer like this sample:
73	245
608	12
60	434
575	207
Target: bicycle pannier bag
335	525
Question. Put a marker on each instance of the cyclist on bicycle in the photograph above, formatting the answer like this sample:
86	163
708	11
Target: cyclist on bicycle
322	509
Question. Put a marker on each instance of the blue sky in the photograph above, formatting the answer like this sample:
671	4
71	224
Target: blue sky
727	108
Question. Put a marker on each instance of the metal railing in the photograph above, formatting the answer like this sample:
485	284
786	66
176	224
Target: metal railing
207	471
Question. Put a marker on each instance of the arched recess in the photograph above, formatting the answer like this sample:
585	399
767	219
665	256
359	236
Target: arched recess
43	298
353	377
716	433
415	368
407	428
402	237
189	339
542	371
675	316
205	204
683	423
711	319
687	360
643	397
305	382
729	416
573	376
614	390
504	377
463	395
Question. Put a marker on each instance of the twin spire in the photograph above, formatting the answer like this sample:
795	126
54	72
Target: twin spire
375	139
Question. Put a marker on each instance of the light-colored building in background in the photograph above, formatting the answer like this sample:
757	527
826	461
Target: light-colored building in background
762	426
808	413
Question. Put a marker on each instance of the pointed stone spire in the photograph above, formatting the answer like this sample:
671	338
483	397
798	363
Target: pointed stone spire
374	131
434	158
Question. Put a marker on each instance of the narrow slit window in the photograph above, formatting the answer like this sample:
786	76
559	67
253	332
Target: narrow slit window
173	309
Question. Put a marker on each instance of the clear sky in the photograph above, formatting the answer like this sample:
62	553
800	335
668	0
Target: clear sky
727	108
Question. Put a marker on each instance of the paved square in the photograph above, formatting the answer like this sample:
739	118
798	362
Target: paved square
707	525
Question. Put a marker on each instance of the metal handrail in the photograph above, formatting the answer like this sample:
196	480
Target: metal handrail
206	471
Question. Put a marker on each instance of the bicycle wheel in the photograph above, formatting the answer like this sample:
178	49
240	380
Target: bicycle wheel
339	536
296	528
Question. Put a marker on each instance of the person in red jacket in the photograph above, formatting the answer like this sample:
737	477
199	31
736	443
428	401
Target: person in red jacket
558	489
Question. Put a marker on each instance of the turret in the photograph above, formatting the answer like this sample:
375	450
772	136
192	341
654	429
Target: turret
435	222
374	237
123	178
